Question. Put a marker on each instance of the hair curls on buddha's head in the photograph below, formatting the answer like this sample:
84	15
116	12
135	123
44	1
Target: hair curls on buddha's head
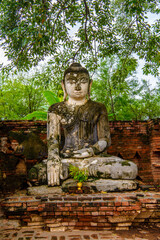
75	68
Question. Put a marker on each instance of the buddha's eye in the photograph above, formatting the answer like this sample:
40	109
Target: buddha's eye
71	81
84	80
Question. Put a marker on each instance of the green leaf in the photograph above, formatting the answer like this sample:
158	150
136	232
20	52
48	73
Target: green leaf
51	97
81	175
37	115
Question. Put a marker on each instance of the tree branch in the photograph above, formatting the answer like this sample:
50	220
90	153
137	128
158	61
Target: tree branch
86	20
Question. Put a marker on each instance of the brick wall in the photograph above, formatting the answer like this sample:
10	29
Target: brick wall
131	140
86	212
136	141
155	149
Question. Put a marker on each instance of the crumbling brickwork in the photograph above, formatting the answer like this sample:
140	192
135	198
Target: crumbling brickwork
131	141
136	141
85	212
155	149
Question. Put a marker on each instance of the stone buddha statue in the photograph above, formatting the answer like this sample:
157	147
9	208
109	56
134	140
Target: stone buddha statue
78	134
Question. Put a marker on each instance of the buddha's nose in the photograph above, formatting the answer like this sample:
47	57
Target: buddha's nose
78	86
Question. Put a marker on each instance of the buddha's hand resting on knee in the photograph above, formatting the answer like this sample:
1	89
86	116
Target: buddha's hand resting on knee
83	153
54	171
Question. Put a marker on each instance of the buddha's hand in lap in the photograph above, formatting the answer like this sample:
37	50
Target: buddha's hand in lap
83	153
99	146
54	171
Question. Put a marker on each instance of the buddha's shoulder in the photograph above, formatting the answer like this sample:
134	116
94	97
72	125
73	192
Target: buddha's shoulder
57	107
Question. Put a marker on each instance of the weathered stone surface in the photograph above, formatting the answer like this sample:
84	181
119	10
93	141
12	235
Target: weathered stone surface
105	185
108	185
44	189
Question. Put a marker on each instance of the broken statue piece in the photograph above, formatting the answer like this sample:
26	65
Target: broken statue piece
78	132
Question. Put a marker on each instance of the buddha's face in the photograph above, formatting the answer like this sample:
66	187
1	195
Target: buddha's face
77	85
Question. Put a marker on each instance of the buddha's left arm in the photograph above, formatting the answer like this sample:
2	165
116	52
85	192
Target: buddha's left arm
103	132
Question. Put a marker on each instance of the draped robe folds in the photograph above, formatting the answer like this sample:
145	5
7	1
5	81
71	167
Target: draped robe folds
72	127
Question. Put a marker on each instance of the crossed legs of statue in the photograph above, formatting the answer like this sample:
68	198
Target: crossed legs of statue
101	167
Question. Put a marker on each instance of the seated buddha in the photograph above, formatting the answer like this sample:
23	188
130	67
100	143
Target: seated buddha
78	133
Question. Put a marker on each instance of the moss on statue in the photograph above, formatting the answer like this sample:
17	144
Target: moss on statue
126	163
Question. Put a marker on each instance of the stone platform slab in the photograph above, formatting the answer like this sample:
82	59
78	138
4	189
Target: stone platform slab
118	211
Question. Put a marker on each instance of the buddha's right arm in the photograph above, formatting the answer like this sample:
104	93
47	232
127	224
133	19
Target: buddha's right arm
53	136
54	165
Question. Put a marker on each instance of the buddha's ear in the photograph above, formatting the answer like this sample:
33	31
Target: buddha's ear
89	88
64	91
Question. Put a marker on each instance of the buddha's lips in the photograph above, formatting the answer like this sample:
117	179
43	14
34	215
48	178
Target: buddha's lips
77	92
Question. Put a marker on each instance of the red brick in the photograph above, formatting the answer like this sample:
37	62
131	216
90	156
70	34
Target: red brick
146	200
29	204
95	213
40	209
50	213
64	209
65	224
14	217
87	213
79	224
12	199
102	219
58	213
81	213
74	204
72	223
67	205
73	214
23	199
60	204
93	224
65	213
150	206
106	208
90	209
32	208
117	204
109	213
110	204
130	208
125	204
102	213
13	204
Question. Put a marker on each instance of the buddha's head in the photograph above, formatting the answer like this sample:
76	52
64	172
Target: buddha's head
76	82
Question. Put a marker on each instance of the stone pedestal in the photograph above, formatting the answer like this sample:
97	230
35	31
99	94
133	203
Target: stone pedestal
100	185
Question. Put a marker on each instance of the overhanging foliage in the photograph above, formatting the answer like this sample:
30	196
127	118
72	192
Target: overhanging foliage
80	30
